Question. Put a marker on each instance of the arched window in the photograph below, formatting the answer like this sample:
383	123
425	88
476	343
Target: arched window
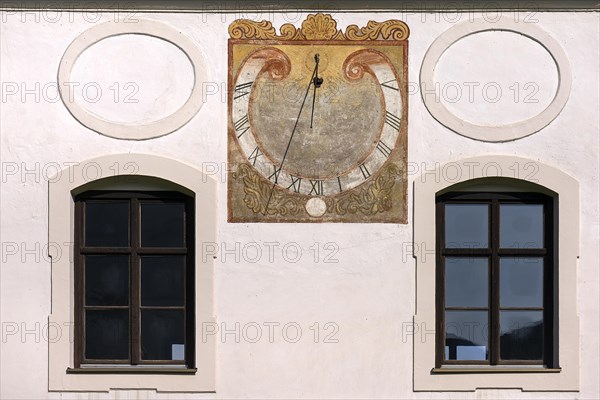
132	291
496	241
134	278
496	277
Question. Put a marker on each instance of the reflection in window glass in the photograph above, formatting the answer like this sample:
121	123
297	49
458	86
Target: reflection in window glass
521	282
466	335
467	225
466	282
522	226
521	335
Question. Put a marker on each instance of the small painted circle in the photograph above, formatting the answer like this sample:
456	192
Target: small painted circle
315	207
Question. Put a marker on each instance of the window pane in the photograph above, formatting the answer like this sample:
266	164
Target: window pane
162	280
162	334
162	224
466	335
467	225
466	282
521	282
107	224
522	225
521	335
106	280
106	334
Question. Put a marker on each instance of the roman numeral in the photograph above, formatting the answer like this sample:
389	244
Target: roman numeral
388	86
296	182
365	171
392	120
275	173
384	149
242	89
339	184
241	124
255	154
316	187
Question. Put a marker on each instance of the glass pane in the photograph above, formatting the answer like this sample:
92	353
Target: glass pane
521	282
162	334
162	280
466	282
107	334
162	224
107	224
522	225
466	335
106	280
467	225
521	335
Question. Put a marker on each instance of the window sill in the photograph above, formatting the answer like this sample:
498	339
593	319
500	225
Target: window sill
162	370
492	370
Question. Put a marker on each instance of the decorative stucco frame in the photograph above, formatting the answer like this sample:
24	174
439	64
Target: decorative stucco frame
426	187
154	129
61	190
500	133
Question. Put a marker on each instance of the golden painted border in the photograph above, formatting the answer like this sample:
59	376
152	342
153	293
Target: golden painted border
368	203
319	27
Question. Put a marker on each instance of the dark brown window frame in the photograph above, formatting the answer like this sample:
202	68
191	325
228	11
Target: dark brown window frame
135	250
494	252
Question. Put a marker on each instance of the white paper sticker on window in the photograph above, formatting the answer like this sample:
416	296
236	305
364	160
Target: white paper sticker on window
177	352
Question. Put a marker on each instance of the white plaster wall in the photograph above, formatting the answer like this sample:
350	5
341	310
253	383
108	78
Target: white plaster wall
369	293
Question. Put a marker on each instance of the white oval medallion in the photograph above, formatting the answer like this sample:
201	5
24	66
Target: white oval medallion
502	132
119	129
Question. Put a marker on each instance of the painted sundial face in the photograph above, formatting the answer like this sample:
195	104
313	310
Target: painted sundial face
356	120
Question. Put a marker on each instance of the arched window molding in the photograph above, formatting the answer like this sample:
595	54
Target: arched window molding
133	172
499	173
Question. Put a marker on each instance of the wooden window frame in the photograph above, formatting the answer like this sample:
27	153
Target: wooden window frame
549	253
135	251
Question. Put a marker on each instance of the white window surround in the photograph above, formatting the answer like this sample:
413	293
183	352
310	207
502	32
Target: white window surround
426	187
126	167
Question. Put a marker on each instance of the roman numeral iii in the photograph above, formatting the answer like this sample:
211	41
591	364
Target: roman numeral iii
384	149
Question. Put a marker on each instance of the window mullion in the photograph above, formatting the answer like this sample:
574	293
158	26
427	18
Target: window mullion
135	333
494	317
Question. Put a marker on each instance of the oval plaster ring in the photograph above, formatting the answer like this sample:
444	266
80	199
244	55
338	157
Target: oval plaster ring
505	132
117	130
